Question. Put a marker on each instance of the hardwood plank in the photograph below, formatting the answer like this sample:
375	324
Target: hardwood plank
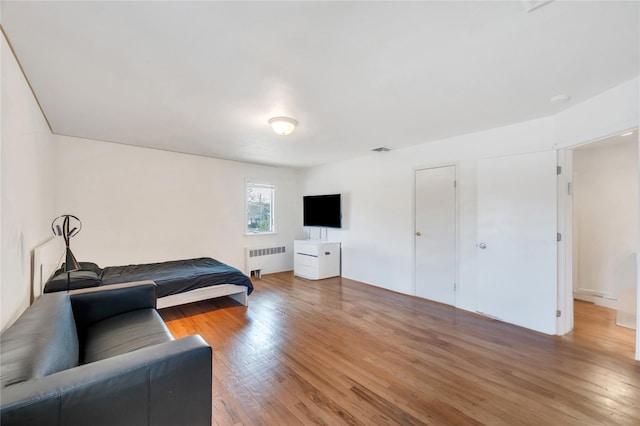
337	351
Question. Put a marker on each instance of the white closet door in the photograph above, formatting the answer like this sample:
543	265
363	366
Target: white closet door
435	229
517	240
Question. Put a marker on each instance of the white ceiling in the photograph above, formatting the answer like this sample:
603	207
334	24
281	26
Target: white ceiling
204	77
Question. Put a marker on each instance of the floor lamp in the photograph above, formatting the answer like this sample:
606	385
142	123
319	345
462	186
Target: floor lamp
65	230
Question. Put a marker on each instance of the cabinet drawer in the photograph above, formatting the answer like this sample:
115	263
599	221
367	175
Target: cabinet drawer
305	271
303	259
306	248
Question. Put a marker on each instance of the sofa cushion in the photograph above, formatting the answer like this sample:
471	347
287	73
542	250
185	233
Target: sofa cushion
42	341
124	333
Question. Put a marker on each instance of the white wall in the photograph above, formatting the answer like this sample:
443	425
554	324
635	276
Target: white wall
141	205
605	203
27	186
378	214
604	115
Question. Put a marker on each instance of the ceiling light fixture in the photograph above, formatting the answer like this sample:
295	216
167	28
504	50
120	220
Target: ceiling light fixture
558	99
283	125
627	134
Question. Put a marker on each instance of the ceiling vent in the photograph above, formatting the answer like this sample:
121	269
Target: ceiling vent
381	149
531	5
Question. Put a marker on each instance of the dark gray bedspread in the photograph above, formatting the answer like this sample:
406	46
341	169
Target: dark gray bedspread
178	276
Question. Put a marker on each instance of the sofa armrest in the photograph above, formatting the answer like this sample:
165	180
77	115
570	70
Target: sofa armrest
165	384
95	304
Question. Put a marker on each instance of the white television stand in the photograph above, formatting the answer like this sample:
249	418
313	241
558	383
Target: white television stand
315	259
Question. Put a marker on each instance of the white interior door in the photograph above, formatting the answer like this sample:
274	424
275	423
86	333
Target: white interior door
435	234
517	240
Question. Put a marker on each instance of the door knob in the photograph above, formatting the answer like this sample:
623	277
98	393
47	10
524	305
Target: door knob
482	246
418	234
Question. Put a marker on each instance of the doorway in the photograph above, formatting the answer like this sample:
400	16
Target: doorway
602	221
435	234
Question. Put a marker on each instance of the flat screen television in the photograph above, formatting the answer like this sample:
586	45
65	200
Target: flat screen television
322	210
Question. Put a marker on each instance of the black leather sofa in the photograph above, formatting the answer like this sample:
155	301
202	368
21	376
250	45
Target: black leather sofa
102	356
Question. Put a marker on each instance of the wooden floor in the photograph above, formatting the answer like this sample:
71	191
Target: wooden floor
337	352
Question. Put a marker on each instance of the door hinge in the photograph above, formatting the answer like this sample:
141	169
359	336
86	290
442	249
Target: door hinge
559	170
558	313
455	183
559	236
569	189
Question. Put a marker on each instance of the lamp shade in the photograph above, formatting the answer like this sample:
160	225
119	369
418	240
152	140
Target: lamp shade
70	262
283	125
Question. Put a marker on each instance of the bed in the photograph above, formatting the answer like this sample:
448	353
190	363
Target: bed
178	281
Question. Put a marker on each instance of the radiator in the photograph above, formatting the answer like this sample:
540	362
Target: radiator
260	260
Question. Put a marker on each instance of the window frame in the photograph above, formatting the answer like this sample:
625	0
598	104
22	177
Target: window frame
263	184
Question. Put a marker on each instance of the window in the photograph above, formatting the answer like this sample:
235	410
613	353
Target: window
260	208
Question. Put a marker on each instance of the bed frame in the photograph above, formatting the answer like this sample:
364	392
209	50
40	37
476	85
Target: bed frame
47	257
